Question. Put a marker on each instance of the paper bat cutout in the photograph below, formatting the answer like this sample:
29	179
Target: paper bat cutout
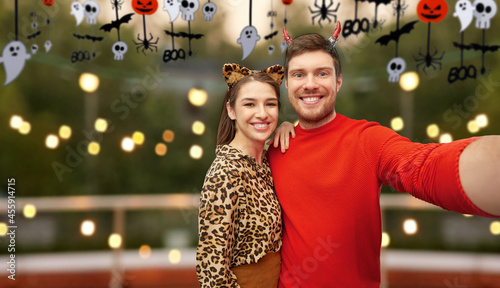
270	36
34	35
184	35
116	24
88	37
394	35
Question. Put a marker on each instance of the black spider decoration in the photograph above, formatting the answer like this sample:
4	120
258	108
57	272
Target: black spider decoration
324	12
146	43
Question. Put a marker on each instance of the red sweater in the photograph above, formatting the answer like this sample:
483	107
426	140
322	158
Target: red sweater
328	184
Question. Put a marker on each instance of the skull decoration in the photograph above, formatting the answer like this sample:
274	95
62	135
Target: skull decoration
188	7
119	49
91	10
209	10
395	68
484	10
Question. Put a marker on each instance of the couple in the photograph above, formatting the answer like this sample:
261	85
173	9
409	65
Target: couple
316	221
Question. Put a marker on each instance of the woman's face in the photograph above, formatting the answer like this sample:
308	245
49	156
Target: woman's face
255	112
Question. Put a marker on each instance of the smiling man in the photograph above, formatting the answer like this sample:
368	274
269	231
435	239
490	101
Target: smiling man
328	182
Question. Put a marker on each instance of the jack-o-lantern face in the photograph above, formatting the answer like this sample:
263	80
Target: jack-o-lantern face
287	2
145	7
48	3
432	10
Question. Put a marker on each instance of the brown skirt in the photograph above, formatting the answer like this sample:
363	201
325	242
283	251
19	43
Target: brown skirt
263	274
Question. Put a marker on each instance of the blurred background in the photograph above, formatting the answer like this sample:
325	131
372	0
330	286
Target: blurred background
103	159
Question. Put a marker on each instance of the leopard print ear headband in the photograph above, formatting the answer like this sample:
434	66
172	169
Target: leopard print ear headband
234	72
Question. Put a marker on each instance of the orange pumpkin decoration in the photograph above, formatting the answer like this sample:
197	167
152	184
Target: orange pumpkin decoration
145	7
432	10
48	3
287	2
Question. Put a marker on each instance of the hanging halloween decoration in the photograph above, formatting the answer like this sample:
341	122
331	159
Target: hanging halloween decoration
187	8
48	43
284	44
356	26
396	65
464	11
90	9
172	8
484	11
119	48
430	11
209	10
14	54
145	7
324	12
271	14
248	37
34	27
376	23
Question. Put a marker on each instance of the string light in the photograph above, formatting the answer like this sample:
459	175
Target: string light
197	97
168	136
128	144
94	148
25	128
3	229
51	141
495	227
138	137
65	132
445	138
89	82
101	125
482	120
16	122
472	126
161	149
432	130
386	240
198	127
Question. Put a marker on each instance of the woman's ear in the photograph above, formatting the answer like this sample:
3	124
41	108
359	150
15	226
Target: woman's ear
230	111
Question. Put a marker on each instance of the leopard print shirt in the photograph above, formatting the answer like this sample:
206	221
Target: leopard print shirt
239	217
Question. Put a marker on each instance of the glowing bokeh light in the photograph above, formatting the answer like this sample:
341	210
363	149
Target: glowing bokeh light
65	132
127	144
472	126
138	138
101	125
29	211
386	240
89	82
196	152
445	138
115	241
51	141
16	122
433	130
145	251
410	226
25	128
168	136
495	227
198	127
174	256
409	81
397	124
482	120
3	229
161	149
94	148
87	228
197	97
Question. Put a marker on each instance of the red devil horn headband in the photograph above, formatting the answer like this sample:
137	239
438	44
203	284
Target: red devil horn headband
333	39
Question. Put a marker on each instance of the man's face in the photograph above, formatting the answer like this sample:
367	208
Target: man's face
312	87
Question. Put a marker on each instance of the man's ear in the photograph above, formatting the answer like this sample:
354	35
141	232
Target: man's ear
230	111
286	82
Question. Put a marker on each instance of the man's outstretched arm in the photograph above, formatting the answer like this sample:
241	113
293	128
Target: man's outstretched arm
479	170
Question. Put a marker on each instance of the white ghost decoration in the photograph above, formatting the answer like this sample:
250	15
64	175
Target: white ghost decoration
209	10
47	45
119	49
92	9
248	39
484	10
188	7
34	49
172	8
13	58
270	49
465	13
395	68
283	46
77	11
